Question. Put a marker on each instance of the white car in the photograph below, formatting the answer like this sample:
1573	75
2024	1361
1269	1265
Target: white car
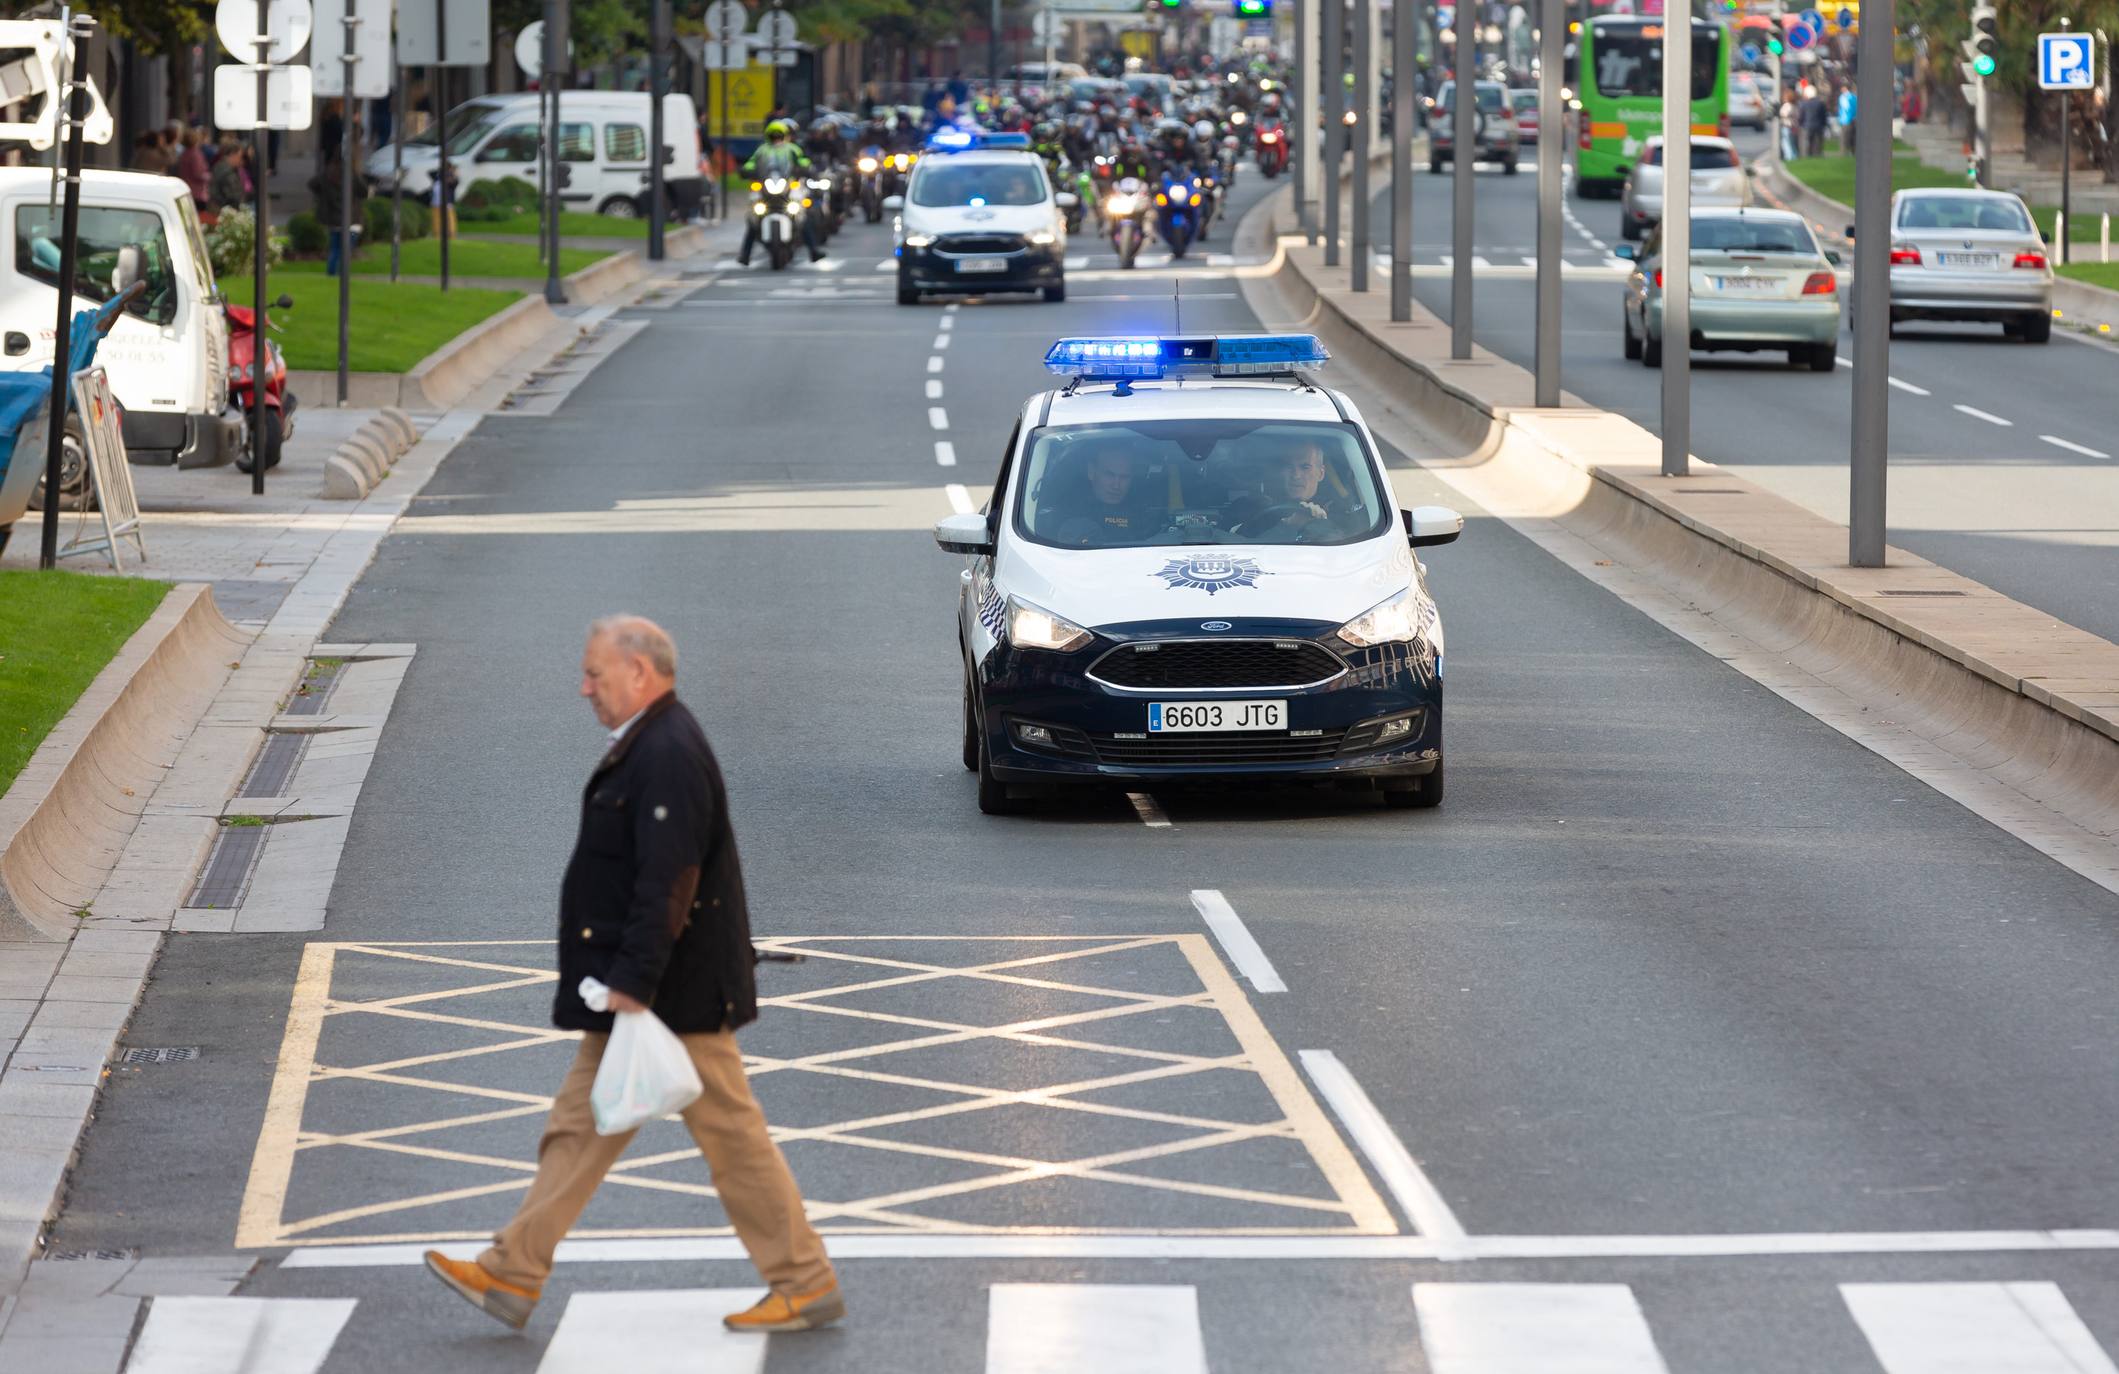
1718	181
980	216
1192	567
1747	106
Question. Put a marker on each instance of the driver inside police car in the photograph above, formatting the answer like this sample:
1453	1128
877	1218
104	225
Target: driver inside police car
1292	486
1108	510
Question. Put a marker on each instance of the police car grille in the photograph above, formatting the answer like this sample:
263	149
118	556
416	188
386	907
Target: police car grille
979	243
1179	751
1217	663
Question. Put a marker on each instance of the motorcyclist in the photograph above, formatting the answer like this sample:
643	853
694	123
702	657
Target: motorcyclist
1046	143
779	156
1133	160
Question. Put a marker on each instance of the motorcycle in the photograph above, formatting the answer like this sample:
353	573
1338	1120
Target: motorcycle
1177	207
869	169
1231	149
894	172
243	374
1272	150
1126	211
778	203
821	194
1206	182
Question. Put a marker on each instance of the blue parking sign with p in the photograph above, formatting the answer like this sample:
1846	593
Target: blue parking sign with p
2065	61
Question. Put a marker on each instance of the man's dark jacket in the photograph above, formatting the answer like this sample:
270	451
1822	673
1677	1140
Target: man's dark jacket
652	902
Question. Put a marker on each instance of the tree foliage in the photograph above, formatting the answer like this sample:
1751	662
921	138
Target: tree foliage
156	26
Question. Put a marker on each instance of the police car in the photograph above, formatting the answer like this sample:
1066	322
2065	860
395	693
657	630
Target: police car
979	216
1193	567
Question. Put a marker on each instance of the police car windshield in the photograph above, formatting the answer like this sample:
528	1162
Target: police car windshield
941	182
1171	482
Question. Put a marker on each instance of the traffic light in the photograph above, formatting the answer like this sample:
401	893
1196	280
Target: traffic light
1173	4
1982	48
1775	46
1254	9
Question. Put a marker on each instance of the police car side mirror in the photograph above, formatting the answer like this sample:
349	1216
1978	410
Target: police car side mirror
1429	525
893	202
965	533
1625	250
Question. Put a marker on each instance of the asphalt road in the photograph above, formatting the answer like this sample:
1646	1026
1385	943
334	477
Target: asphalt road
1674	962
2001	503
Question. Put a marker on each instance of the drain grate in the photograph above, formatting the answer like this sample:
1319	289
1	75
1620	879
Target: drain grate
315	689
228	868
1710	491
275	765
160	1054
1919	591
77	1256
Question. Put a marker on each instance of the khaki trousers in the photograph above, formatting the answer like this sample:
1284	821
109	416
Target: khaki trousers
751	1176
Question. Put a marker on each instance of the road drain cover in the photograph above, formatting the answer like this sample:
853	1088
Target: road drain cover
228	870
160	1054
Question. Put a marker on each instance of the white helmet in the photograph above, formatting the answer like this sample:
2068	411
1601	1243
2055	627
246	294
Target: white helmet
1204	131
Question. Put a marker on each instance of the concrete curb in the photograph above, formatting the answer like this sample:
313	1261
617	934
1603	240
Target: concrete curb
66	819
366	456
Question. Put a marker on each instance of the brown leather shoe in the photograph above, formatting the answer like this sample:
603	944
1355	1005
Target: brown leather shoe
503	1302
790	1312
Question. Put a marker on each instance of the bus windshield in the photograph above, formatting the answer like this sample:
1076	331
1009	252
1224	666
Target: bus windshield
1628	59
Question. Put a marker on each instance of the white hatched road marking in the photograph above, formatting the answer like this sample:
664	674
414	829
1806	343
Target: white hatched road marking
1394	1164
1062	1328
1534	1328
945	453
959	498
1973	1328
934	389
1149	811
239	1335
937	418
676	1332
2057	442
1976	413
1236	941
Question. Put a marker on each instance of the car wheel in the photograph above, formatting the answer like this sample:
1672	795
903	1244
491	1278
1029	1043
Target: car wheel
619	207
1651	350
971	732
1628	230
76	491
993	793
1428	793
2037	328
908	294
1822	357
1509	167
1056	294
1436	164
1633	342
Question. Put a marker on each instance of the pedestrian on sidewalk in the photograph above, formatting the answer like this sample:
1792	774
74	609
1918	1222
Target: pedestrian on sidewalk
656	845
192	166
327	186
232	185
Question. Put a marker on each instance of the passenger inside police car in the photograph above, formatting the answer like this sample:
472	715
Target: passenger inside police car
1109	506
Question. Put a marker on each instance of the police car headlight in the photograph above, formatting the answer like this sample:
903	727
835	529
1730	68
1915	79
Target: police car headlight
918	240
1030	627
1395	621
1044	236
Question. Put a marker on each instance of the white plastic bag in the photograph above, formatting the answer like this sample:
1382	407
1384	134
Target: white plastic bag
645	1072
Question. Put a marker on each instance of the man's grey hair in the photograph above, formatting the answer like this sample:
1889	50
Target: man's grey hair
637	636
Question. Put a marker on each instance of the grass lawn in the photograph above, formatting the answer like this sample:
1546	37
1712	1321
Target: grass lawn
2104	274
57	631
1833	176
395	324
573	224
470	257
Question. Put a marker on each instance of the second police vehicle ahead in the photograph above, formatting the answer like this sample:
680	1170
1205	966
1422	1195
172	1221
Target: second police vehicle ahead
979	216
1192	566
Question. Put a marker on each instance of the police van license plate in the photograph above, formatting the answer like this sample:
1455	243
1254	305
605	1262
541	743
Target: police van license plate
982	264
1182	717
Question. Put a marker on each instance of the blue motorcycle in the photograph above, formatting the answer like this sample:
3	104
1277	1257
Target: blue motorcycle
1177	207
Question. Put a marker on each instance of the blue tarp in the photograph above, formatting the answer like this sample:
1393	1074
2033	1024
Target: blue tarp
23	394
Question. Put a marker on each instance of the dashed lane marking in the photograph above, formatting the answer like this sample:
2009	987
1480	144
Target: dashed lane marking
2057	442
959	497
1236	940
937	418
1976	413
948	323
1909	387
945	453
934	389
934	364
941	341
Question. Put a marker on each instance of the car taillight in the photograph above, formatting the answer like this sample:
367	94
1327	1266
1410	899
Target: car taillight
1582	139
1723	125
1659	278
1905	257
1821	284
2035	261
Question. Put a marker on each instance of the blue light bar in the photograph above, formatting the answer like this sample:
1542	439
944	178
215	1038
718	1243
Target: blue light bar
1219	355
962	140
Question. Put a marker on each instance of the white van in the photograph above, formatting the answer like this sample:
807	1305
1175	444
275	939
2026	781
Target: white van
167	356
602	140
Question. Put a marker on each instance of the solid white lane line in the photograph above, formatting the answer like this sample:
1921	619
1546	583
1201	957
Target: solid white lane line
937	417
1149	811
1236	941
1050	1328
1908	386
945	453
1958	1328
934	389
2057	442
1534	1328
1394	1164
941	341
675	1332
239	1335
934	364
1976	413
959	498
948	323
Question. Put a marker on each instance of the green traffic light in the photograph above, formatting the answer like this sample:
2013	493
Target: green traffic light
1773	45
1983	64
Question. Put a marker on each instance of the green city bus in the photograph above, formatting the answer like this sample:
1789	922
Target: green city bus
1619	94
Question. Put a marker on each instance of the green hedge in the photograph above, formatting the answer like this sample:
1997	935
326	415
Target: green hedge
413	224
306	236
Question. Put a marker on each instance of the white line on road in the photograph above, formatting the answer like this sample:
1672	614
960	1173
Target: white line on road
1040	1328
1236	941
1552	1328
1150	813
1077	262
941	341
677	1332
239	1335
945	453
1843	362
887	265
934	364
1976	413
1908	386
951	309
934	389
1994	1328
2057	442
937	418
959	497
948	323
1394	1164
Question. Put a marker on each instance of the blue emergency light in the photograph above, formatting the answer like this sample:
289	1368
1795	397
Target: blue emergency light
962	140
1219	355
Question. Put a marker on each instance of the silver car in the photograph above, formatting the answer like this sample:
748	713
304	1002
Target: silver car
1717	179
1759	282
1493	127
1969	255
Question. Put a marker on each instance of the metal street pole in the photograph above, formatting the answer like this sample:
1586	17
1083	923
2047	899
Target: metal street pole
1676	235
1868	448
658	89
397	159
2067	157
1358	141
79	28
1464	68
1331	50
557	20
348	60
993	46
260	345
1404	22
1302	118
1552	34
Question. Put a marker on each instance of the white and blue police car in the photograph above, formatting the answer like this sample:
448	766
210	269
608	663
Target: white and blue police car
1193	567
980	216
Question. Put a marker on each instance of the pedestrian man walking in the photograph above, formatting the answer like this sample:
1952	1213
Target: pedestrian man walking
652	906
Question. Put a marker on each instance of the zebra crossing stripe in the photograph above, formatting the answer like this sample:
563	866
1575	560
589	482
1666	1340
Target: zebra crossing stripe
1064	1328
1534	1328
1957	1328
673	1332
239	1335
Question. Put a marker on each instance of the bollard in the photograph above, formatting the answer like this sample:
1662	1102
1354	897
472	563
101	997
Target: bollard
2104	237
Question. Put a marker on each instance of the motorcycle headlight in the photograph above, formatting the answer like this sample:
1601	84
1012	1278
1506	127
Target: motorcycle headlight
1030	627
918	240
866	164
775	185
757	207
1121	205
1044	236
1395	621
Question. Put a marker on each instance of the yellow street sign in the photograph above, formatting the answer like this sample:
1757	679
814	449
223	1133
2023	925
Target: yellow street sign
750	100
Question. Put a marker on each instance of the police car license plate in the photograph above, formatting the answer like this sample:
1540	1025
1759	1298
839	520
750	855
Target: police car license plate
982	264
1180	717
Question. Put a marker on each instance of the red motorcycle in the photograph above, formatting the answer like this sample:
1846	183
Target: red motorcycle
1272	141
279	402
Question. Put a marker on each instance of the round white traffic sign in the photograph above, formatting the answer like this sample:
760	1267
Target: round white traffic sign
726	20
776	29
286	21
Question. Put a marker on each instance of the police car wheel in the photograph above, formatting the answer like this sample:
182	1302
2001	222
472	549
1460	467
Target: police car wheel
993	793
971	732
1056	294
1429	792
908	294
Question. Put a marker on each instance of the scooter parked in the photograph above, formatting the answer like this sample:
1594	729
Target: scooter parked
243	373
